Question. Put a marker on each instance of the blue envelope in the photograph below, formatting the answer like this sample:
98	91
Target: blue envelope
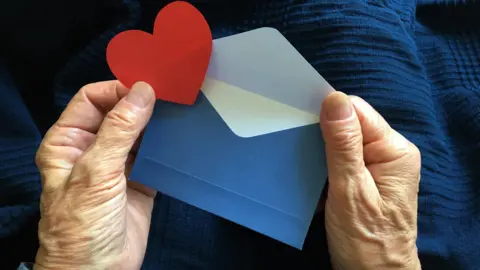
250	149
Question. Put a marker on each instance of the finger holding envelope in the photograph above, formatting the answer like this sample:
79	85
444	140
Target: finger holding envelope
371	209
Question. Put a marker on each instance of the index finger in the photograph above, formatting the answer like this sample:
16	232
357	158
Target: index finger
75	130
89	106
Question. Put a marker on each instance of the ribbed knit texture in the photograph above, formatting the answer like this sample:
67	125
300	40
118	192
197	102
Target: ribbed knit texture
416	62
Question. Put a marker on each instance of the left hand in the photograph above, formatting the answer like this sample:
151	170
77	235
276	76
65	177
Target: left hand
92	217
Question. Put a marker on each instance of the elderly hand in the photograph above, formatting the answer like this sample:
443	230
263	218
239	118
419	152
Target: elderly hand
92	217
374	173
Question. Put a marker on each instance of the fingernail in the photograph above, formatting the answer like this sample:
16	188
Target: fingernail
141	95
337	107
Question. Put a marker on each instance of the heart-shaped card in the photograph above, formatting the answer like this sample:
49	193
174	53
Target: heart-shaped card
174	60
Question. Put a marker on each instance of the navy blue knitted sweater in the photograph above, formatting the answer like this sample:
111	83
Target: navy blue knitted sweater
416	62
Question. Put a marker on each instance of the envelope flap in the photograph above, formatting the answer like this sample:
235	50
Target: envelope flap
248	114
264	62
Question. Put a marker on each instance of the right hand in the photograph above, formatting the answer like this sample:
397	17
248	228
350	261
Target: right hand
374	174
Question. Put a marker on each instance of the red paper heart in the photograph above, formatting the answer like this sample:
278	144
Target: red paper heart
174	60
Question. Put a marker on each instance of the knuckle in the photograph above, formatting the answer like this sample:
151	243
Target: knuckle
346	137
39	161
113	147
346	158
384	130
415	151
44	151
121	119
42	156
86	87
346	140
416	157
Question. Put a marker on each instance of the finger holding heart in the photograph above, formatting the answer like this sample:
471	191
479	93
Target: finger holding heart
174	60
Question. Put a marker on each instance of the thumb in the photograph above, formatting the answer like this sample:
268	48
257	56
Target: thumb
118	133
343	137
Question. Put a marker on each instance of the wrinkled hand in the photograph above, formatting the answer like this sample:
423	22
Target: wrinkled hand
374	173
91	216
